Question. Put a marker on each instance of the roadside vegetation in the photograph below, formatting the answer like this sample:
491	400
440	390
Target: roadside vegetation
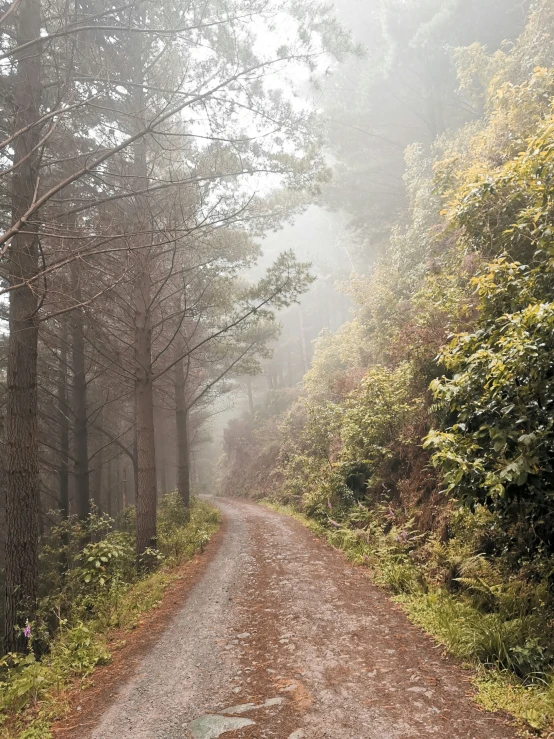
92	585
421	439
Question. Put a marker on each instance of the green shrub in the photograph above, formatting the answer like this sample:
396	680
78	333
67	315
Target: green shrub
182	532
107	560
77	651
22	680
91	584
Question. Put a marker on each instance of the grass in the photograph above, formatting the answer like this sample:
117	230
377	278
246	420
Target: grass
532	705
511	671
288	510
33	693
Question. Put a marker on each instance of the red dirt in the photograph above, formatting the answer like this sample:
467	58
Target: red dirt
273	614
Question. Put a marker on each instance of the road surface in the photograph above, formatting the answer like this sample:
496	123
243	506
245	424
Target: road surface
282	638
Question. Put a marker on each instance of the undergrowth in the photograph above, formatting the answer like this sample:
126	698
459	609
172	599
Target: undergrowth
490	617
90	591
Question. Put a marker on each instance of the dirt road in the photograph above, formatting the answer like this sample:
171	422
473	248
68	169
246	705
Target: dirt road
282	638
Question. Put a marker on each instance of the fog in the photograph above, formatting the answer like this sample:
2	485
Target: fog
240	241
400	89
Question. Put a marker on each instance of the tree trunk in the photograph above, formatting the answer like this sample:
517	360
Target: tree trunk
145	472
163	464
97	479
80	423
161	447
181	421
144	417
183	457
290	378
250	396
22	472
109	490
135	464
98	464
125	490
63	420
303	343
118	497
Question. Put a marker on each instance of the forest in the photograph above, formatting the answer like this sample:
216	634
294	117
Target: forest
286	251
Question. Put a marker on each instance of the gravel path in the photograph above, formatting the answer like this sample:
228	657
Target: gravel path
282	638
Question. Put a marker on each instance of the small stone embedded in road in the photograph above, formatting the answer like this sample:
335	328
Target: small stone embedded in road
272	702
242	708
246	707
213	726
298	734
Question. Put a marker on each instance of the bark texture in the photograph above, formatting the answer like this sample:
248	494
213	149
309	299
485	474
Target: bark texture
144	418
97	474
181	422
250	396
22	472
80	423
63	420
145	456
183	449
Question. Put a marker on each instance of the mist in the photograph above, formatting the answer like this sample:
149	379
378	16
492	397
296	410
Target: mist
277	319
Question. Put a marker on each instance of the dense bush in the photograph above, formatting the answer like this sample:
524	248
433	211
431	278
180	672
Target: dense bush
497	401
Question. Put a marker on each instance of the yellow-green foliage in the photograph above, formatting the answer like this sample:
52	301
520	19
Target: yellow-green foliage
335	354
182	532
531	704
342	451
496	447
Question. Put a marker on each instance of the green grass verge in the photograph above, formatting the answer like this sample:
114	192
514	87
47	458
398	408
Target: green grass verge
33	693
462	629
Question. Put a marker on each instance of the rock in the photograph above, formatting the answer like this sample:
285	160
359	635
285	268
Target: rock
246	635
212	726
298	734
242	708
246	707
272	702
